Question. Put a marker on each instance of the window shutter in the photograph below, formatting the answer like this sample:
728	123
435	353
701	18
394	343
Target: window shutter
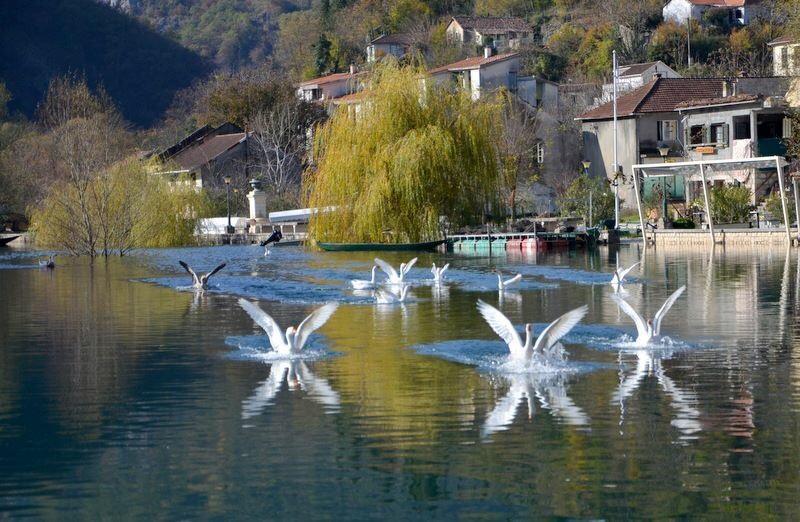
787	127
706	134
686	137
660	130
725	134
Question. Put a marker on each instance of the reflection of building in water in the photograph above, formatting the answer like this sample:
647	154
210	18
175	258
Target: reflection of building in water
549	389
648	364
297	376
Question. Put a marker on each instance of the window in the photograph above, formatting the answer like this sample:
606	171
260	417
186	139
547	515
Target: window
784	57
741	127
667	130
714	134
540	153
719	134
697	135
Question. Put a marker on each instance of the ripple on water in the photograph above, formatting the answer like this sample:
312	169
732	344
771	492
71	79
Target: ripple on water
257	348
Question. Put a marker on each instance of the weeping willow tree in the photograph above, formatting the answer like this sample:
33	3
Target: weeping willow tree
410	154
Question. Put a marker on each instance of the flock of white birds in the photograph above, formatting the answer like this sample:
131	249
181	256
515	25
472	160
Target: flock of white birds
394	289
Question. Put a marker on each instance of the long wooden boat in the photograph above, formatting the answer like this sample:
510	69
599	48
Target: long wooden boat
382	247
6	240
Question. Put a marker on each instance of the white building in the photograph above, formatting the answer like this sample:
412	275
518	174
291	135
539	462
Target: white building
490	72
330	87
784	60
634	76
501	33
396	45
740	12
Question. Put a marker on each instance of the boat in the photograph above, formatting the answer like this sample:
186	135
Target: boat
6	240
382	247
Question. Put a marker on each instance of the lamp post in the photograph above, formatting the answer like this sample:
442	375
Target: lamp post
664	151
227	179
586	165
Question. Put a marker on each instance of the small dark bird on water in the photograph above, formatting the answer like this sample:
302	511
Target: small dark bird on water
201	282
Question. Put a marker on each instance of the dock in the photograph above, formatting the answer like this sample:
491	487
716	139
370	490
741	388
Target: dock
529	241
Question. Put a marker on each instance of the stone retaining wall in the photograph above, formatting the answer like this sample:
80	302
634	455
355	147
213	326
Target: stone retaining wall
732	237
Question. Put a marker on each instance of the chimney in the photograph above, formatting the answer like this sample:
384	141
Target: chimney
487	52
726	88
352	68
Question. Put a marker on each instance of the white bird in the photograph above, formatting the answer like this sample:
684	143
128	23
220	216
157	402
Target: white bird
384	297
502	285
619	275
202	281
649	330
50	262
363	284
294	339
549	389
546	340
438	273
297	375
395	278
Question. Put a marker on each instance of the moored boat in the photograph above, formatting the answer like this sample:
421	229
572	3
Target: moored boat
382	247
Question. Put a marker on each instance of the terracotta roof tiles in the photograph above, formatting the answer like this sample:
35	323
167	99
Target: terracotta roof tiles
658	95
475	62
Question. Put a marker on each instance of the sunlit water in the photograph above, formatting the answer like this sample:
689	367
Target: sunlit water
124	394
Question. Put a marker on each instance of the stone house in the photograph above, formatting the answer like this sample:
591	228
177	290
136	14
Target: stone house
500	33
397	45
634	76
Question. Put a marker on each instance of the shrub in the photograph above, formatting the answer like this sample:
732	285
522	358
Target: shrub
730	204
773	206
683	223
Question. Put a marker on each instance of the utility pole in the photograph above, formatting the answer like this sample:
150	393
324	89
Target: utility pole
689	42
616	166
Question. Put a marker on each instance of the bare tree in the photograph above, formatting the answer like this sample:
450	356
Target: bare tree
518	149
69	97
276	150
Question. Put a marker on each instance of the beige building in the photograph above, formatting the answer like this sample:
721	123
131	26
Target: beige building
784	60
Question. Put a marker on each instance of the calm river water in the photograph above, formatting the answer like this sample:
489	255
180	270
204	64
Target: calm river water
124	394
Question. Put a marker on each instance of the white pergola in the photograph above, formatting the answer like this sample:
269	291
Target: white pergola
692	168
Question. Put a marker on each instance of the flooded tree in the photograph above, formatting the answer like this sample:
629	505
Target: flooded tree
406	157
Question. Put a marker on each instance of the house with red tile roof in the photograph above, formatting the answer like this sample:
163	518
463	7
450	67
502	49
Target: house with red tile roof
740	12
659	115
331	86
647	119
487	73
500	33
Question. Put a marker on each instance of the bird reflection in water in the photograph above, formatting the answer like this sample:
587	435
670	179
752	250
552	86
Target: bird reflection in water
298	377
550	390
648	364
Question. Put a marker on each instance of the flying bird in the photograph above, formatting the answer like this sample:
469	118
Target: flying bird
202	281
649	330
294	339
502	285
619	275
438	273
524	352
395	278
